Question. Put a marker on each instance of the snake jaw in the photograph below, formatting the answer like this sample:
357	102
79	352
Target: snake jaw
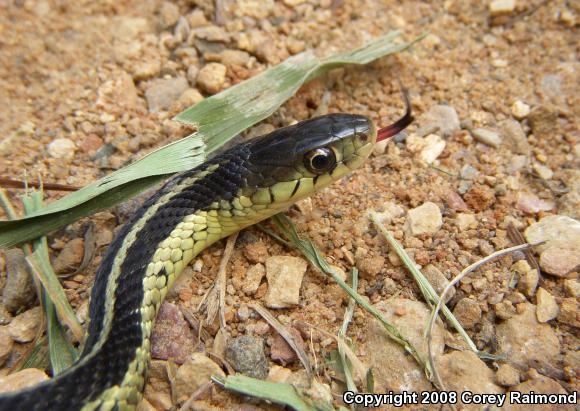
399	125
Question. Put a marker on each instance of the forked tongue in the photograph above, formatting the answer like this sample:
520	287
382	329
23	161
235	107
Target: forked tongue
399	125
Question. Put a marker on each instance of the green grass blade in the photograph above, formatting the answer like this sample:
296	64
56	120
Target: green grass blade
284	394
218	118
62	353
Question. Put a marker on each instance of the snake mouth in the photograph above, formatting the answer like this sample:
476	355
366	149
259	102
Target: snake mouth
399	125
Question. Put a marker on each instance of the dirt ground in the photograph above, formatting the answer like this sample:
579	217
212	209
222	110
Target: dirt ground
84	89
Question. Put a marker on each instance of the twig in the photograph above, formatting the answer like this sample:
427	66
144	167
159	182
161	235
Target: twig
284	333
197	394
517	238
222	278
458	278
8	182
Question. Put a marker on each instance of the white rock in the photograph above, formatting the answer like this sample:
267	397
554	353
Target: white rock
441	117
429	148
253	278
390	211
22	379
284	274
499	7
465	221
425	219
547	308
543	171
520	110
62	148
485	136
557	231
163	92
572	287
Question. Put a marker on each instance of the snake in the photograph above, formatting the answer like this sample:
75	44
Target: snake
233	190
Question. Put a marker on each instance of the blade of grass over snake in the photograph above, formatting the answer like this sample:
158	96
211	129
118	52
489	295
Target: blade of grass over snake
309	250
217	118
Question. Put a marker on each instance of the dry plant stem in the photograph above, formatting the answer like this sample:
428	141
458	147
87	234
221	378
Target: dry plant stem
222	278
458	278
284	333
197	394
7	205
429	293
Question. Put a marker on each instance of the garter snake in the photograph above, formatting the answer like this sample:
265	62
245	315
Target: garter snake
244	185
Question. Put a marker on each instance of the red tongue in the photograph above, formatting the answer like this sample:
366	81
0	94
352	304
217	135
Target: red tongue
400	124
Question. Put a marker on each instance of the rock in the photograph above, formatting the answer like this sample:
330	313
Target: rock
463	371
547	308
168	14
254	276
425	219
370	266
145	405
441	117
281	351
543	171
279	374
465	221
520	110
531	204
569	204
488	137
525	342
284	274
569	312
172	337
212	34
192	72
468	172
505	310
455	202
507	376
397	371
256	252
27	377
560	261
23	327
160	400
6	344
479	197
195	371
572	287
163	92
70	257
429	148
557	231
539	385
234	58
468	312
501	7
62	148
19	291
120	91
211	77
529	282
389	212
438	281
515	137
246	355
544	120
189	98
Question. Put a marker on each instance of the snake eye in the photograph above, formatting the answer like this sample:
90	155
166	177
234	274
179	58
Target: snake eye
319	160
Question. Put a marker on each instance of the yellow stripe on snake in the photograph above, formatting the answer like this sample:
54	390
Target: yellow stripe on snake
193	210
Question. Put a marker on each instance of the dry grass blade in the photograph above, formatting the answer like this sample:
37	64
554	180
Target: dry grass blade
458	278
222	278
517	238
284	333
429	293
342	339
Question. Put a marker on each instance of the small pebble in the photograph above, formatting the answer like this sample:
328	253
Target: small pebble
543	171
162	93
27	377
572	287
440	117
547	307
500	7
168	14
485	136
284	274
6	344
465	221
520	110
211	78
253	278
62	148
467	312
507	376
246	354
195	371
425	219
24	327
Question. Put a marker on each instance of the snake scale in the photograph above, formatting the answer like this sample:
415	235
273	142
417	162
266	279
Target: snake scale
246	184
